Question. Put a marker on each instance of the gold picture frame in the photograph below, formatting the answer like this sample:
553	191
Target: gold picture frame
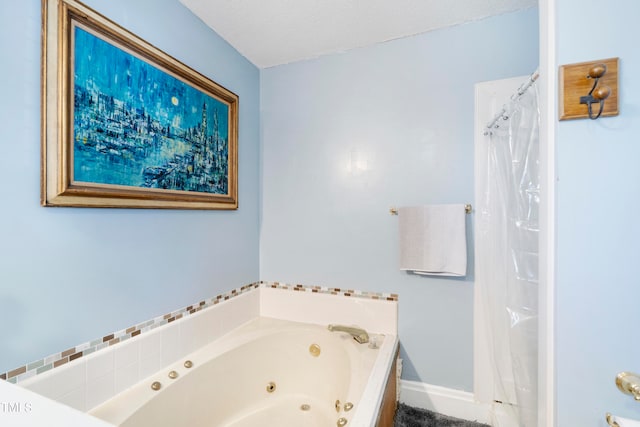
127	125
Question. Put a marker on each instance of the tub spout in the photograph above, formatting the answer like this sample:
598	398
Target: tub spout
358	334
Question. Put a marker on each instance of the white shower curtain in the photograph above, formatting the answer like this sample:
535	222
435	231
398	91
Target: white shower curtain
507	228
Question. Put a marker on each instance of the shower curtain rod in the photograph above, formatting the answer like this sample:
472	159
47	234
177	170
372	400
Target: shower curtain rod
522	89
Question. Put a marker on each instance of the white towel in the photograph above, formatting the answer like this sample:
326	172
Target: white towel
433	240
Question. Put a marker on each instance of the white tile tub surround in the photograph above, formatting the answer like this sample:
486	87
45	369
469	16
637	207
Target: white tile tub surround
100	377
376	315
92	379
88	381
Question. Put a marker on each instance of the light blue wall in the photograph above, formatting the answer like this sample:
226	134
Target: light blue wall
70	275
598	241
408	105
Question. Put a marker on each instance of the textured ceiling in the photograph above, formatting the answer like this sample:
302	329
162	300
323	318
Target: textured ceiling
274	32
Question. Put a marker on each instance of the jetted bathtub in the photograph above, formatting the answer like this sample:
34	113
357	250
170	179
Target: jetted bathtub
267	372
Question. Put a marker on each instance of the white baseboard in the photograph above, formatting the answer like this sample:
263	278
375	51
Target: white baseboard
446	401
454	403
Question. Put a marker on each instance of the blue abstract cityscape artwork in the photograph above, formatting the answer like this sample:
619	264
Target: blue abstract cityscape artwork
136	125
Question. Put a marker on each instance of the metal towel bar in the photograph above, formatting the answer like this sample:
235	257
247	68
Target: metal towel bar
467	209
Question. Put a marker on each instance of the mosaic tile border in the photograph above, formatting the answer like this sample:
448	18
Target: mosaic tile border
59	359
331	291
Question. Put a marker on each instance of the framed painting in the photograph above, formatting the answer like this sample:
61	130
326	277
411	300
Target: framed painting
126	125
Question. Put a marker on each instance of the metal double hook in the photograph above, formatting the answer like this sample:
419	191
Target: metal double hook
596	94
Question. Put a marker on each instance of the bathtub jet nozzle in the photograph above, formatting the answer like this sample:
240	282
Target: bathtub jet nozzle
358	334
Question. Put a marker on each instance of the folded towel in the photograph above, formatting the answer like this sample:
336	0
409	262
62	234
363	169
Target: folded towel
433	240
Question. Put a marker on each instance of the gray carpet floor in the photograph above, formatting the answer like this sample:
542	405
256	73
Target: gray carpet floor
407	416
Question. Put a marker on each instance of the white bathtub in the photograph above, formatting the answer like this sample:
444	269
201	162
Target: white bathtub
227	384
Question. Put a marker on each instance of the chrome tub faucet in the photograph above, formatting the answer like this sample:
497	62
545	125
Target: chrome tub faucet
358	334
